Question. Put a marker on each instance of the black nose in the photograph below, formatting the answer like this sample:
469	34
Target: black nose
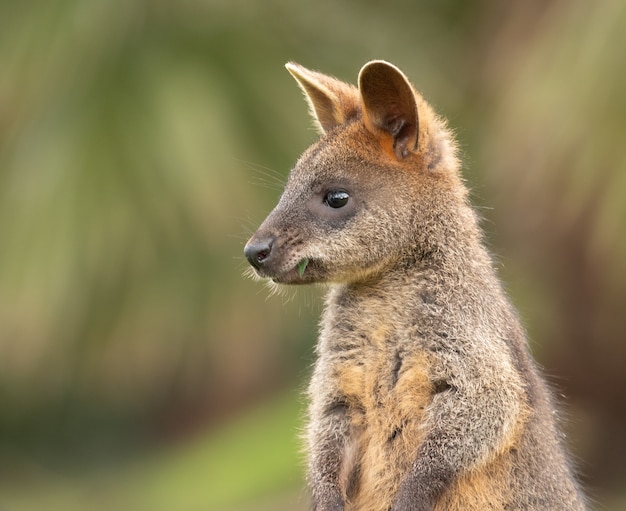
257	252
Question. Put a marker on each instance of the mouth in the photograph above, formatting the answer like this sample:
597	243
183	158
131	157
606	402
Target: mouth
304	272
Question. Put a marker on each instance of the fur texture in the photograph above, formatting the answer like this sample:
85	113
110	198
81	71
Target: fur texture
424	395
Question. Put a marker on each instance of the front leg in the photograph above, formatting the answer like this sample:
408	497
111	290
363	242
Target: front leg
475	415
327	440
327	436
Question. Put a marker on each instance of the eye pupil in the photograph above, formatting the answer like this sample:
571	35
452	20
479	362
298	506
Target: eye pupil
336	198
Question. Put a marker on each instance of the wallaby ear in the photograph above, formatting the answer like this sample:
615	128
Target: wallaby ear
332	102
389	105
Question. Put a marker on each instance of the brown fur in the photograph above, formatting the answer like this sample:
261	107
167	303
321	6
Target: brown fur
424	395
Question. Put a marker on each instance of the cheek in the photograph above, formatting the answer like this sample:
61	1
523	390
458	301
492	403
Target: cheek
362	241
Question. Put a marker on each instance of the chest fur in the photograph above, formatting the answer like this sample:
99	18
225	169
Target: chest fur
383	375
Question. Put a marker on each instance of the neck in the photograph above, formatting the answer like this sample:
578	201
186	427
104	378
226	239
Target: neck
448	275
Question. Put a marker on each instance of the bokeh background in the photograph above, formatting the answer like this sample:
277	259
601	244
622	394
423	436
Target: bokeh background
142	141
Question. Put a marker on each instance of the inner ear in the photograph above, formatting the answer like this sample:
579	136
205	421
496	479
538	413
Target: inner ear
389	105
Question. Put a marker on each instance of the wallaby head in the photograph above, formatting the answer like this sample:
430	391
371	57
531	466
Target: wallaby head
361	198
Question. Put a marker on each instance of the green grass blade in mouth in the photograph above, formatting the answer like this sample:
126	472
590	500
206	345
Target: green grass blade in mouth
302	266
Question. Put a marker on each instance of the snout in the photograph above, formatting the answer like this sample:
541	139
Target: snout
258	251
279	257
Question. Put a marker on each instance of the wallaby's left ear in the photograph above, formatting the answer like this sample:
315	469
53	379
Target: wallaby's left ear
389	105
332	102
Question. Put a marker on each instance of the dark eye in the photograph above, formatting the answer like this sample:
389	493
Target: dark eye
336	198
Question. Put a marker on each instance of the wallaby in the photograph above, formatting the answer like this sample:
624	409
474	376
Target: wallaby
424	395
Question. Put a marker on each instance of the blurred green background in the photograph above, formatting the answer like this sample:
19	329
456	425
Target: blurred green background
141	143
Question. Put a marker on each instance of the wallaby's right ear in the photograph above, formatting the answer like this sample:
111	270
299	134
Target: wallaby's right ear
332	102
389	105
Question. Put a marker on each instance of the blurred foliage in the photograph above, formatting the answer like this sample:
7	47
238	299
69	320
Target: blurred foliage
225	469
142	141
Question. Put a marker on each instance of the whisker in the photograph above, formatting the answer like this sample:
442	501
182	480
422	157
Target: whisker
265	176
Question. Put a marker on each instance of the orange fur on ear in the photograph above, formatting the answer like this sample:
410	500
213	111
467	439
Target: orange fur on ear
389	105
331	101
